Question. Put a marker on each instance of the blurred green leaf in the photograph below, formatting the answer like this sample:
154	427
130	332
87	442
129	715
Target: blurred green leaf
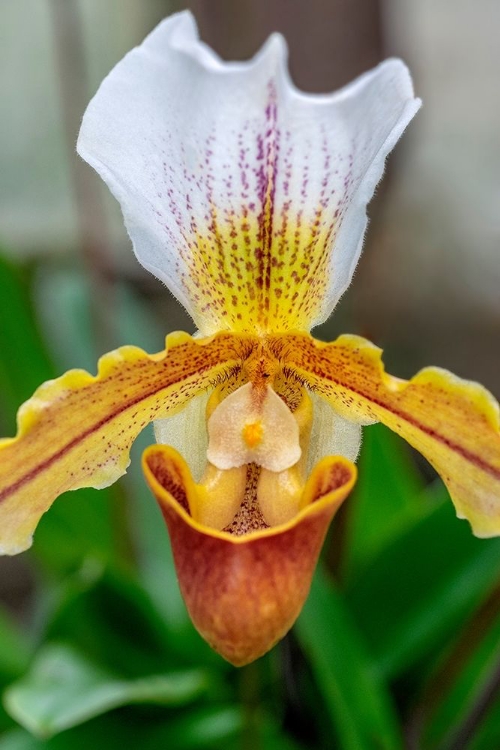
18	739
465	680
386	499
81	524
108	732
63	306
202	727
136	322
108	616
63	689
419	588
221	727
357	700
487	735
197	728
14	658
14	648
24	363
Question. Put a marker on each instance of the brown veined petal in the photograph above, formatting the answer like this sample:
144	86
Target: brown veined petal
245	592
454	423
76	431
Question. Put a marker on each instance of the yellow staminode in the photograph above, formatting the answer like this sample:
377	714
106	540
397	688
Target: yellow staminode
253	433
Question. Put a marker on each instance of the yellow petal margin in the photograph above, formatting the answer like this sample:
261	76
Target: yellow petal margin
76	431
244	593
454	423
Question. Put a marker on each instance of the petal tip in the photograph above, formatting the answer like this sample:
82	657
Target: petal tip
178	30
11	548
276	48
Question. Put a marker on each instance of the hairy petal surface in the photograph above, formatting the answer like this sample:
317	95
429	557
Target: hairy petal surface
187	433
454	423
76	431
245	592
331	434
245	196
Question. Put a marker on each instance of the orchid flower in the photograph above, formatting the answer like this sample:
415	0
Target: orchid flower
247	198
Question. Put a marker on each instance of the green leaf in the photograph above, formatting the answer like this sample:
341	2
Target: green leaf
385	501
63	306
465	679
487	734
18	739
420	587
198	728
355	697
108	616
24	363
63	689
136	322
14	658
67	320
82	524
14	648
220	727
108	732
202	727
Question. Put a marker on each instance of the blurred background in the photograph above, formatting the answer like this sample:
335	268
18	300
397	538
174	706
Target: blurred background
432	252
398	645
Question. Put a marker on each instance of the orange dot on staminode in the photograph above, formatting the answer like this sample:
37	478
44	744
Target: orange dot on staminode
252	434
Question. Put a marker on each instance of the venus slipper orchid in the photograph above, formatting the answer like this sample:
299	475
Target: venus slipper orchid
247	198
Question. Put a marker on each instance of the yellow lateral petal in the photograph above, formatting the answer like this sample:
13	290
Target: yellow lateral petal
454	423
76	431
